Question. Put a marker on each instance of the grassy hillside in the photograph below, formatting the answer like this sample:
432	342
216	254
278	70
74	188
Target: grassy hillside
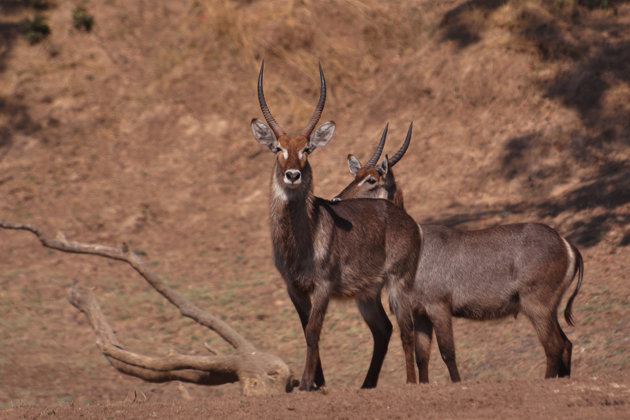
138	131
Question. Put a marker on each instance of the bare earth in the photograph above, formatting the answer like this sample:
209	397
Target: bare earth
139	132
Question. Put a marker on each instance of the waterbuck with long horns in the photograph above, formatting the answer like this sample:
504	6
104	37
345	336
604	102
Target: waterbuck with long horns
376	181
346	250
481	274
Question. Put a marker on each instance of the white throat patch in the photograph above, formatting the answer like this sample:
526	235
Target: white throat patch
278	191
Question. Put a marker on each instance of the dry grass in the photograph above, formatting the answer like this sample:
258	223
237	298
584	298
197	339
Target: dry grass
139	131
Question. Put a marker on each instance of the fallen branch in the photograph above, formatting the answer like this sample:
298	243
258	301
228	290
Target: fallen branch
258	373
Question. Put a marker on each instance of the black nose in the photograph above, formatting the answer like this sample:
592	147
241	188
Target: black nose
292	175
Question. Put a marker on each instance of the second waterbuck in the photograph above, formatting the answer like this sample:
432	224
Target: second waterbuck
325	250
481	275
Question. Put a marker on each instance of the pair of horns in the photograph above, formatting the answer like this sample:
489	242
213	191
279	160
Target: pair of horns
306	132
275	127
379	149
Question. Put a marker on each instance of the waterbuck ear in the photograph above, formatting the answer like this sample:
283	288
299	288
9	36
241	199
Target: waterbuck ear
353	164
263	134
383	167
321	136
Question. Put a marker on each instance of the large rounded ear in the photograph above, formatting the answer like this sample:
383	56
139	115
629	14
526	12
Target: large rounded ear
353	164
263	134
383	167
321	136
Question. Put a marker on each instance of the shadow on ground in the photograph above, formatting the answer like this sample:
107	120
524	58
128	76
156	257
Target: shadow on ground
593	83
14	115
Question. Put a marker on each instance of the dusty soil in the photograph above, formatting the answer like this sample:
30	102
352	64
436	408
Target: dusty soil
575	399
138	131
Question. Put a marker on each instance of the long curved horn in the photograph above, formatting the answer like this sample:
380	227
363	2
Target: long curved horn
275	127
320	105
402	149
379	149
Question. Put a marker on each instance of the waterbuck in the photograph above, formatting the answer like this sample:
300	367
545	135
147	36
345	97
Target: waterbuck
325	250
376	181
481	274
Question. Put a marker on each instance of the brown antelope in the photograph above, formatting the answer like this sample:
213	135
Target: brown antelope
325	250
376	181
481	274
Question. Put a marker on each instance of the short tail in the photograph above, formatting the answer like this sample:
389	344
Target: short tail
579	269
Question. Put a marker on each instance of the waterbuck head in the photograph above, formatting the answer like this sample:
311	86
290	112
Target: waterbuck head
292	171
374	180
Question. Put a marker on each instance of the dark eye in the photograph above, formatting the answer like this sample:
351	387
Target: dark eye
370	180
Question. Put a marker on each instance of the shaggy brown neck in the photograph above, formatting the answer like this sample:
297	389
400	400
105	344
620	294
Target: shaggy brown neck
292	222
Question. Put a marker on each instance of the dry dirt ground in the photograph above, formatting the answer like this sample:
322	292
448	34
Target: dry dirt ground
138	131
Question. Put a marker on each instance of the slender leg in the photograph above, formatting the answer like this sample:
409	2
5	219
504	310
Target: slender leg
302	305
557	346
404	319
312	332
442	323
405	323
423	331
399	302
376	318
566	354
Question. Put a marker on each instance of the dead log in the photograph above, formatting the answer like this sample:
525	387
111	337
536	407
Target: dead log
257	372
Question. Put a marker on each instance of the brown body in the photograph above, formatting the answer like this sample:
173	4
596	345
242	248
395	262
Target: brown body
488	274
327	250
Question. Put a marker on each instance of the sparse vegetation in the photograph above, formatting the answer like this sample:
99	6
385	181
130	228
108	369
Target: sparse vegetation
35	29
595	4
181	144
38	4
81	19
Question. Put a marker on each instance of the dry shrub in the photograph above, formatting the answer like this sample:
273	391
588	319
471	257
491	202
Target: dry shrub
292	34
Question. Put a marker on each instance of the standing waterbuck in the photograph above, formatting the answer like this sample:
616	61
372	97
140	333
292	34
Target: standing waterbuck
376	181
346	250
481	274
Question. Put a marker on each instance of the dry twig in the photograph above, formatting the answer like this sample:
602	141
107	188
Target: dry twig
258	373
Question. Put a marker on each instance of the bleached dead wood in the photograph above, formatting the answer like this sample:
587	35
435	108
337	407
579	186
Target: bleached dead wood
258	373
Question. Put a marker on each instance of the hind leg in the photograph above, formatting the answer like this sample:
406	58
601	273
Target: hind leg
566	354
381	328
423	332
557	346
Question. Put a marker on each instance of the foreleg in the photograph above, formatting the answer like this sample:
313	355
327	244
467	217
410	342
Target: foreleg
381	328
423	331
302	303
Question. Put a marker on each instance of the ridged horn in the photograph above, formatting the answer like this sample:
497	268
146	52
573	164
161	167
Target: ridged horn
275	127
399	154
306	132
379	149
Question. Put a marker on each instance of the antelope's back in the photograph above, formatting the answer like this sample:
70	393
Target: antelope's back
484	273
383	231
